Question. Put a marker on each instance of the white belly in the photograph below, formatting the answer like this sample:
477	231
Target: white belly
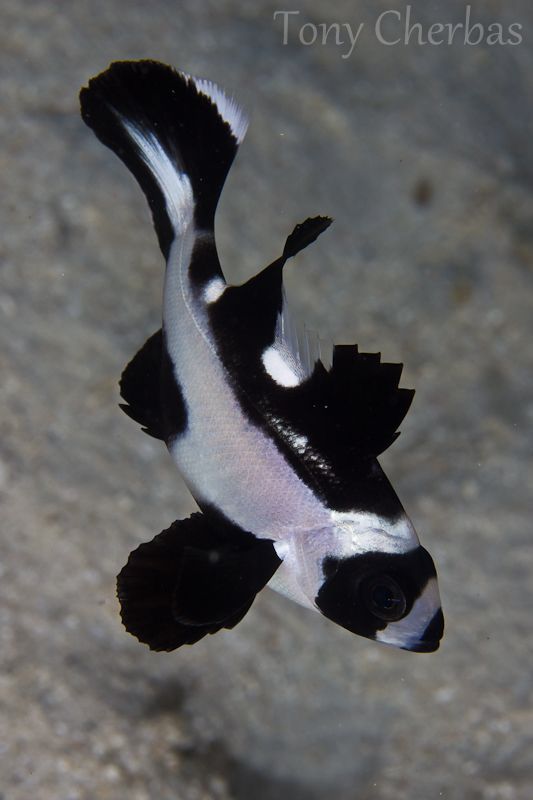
224	459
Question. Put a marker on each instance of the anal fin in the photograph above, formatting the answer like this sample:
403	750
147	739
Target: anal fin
140	387
192	579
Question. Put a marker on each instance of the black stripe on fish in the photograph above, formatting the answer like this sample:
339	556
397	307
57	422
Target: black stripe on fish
175	133
192	579
152	393
201	269
330	424
368	592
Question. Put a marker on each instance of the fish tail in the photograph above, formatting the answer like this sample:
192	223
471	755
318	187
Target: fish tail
177	134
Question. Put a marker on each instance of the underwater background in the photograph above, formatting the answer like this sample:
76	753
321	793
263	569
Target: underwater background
423	155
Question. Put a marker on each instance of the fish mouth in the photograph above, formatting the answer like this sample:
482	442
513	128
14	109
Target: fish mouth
423	646
430	640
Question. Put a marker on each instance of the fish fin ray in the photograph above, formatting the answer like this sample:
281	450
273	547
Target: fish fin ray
192	579
297	348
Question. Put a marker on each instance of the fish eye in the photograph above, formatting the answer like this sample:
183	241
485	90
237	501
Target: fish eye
383	597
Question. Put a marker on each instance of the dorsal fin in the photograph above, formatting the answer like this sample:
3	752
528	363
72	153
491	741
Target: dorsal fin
333	424
305	233
258	306
364	392
348	413
334	420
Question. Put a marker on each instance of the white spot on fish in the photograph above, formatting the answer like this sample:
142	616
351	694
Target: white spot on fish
213	290
299	442
279	369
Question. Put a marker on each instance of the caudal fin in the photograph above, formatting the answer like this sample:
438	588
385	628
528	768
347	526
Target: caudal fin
177	134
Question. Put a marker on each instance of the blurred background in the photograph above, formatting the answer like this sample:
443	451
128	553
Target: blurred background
422	154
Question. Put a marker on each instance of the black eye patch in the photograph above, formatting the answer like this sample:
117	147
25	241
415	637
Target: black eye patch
364	593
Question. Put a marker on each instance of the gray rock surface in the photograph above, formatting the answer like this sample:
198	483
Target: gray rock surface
423	156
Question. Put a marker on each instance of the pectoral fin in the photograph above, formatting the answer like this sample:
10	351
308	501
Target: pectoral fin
190	580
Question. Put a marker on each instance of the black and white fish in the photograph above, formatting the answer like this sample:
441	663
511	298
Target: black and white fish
279	452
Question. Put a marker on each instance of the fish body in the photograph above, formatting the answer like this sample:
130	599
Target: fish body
279	452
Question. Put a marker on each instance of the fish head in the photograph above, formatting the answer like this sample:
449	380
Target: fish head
379	582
